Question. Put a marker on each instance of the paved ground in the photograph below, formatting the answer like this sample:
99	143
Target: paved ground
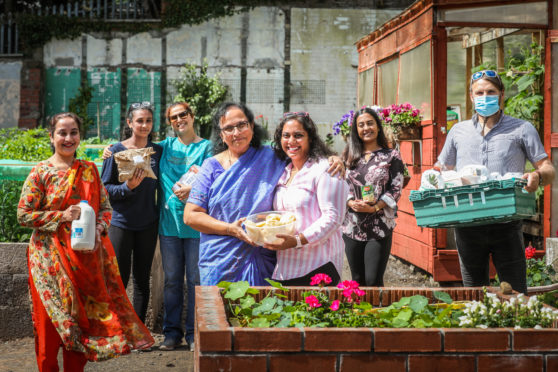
19	355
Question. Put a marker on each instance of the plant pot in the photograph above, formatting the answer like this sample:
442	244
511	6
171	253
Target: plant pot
402	133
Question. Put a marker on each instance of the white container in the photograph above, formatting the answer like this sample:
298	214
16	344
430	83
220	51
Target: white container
83	229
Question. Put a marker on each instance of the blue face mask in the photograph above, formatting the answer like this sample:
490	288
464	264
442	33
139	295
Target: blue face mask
487	105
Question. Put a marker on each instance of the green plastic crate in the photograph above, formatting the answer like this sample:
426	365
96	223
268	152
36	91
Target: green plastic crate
471	205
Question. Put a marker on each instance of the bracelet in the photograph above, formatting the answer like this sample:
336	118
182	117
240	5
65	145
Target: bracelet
376	209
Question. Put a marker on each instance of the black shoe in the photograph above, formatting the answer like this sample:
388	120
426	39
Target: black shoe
168	344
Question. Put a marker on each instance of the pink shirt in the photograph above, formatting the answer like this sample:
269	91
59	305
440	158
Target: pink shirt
319	204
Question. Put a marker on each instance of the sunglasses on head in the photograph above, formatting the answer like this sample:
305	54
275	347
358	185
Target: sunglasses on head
488	73
141	105
181	115
297	113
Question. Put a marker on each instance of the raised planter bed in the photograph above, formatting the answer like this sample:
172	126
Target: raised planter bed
220	347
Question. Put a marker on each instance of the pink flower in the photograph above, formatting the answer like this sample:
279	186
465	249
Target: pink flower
312	301
351	292
320	279
334	305
348	284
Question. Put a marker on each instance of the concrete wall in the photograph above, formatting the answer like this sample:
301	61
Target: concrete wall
15	314
264	50
10	77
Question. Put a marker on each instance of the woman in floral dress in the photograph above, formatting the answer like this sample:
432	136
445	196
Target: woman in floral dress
78	298
376	170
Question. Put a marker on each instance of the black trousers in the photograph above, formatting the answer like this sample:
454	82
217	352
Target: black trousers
328	268
504	241
368	259
134	251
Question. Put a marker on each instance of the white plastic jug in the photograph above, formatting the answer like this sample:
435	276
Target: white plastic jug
83	229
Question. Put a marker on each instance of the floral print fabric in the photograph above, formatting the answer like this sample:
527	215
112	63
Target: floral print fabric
81	291
384	172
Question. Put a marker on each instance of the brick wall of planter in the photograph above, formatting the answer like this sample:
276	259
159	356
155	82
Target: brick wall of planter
220	347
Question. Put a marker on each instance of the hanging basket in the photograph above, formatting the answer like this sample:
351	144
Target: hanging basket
403	133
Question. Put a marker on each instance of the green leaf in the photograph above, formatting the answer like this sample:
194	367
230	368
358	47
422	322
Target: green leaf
259	323
224	284
266	305
442	296
247	302
252	291
524	82
237	290
277	285
418	303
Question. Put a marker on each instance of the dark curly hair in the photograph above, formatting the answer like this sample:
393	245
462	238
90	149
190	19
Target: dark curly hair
318	149
259	134
355	146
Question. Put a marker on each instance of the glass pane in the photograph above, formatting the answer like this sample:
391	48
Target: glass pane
387	82
457	85
366	87
414	82
532	13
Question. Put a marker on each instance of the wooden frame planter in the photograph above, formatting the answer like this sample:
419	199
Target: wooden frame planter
220	347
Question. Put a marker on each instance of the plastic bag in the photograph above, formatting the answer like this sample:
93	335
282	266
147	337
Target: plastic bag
472	174
431	179
130	160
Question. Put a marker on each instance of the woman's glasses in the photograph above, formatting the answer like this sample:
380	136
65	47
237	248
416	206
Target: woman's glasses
181	115
241	126
141	105
479	74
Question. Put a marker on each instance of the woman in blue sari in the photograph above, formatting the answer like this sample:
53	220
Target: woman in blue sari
237	182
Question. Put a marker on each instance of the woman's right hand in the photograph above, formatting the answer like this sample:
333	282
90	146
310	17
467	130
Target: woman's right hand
235	229
71	213
139	175
106	152
358	205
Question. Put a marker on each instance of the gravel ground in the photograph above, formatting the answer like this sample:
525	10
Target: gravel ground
19	356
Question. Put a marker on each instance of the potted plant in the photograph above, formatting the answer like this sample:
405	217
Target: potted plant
402	120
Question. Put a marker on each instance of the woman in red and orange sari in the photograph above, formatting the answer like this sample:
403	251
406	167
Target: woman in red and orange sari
78	298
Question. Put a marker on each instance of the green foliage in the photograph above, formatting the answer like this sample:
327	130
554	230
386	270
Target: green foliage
36	30
525	76
78	105
193	12
539	273
317	310
203	93
34	145
10	229
26	145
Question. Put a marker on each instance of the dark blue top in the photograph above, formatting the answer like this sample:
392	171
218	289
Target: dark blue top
135	209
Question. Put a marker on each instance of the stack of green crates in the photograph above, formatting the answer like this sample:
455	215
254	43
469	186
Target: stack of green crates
471	205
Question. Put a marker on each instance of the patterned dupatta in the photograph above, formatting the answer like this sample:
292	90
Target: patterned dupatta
82	292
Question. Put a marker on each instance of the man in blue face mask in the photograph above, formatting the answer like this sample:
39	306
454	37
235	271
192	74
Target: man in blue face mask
502	144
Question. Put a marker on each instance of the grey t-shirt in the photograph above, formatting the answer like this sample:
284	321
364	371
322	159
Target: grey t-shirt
504	149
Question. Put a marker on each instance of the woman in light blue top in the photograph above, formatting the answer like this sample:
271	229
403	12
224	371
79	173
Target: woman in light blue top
179	243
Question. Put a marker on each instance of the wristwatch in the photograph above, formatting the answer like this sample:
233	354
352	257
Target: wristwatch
376	209
540	176
298	242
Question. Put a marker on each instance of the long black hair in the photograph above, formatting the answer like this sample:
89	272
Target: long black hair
130	116
354	150
317	148
259	134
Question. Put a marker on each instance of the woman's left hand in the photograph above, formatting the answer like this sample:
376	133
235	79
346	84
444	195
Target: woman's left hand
289	241
336	167
362	206
183	192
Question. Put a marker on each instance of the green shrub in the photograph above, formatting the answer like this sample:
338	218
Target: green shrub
203	93
10	229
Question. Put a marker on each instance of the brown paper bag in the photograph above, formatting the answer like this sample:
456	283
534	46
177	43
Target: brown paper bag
129	160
